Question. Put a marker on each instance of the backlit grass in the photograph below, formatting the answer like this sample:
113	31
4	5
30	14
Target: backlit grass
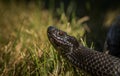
24	46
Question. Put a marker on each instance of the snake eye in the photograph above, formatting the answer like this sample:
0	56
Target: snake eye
61	33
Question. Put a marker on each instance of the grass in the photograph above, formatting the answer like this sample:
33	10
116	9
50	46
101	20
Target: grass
24	46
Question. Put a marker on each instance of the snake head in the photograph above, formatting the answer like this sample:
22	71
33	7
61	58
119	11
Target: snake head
61	40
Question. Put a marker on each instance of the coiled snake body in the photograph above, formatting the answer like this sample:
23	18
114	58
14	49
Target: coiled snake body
94	62
112	43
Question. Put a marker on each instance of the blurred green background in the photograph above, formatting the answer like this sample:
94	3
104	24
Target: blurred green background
24	47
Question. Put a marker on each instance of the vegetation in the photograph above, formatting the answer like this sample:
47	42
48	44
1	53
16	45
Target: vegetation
24	46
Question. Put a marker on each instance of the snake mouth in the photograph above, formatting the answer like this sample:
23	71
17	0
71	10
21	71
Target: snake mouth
54	37
56	44
53	40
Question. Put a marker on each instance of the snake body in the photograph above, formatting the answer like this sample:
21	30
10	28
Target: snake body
112	43
93	62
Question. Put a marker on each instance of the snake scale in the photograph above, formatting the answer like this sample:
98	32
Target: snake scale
93	62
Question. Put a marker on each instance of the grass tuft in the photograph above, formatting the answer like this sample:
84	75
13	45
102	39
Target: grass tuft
24	46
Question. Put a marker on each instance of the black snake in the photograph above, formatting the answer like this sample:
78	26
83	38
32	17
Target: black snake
94	62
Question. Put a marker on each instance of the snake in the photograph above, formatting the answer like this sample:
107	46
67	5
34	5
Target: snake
91	61
112	42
